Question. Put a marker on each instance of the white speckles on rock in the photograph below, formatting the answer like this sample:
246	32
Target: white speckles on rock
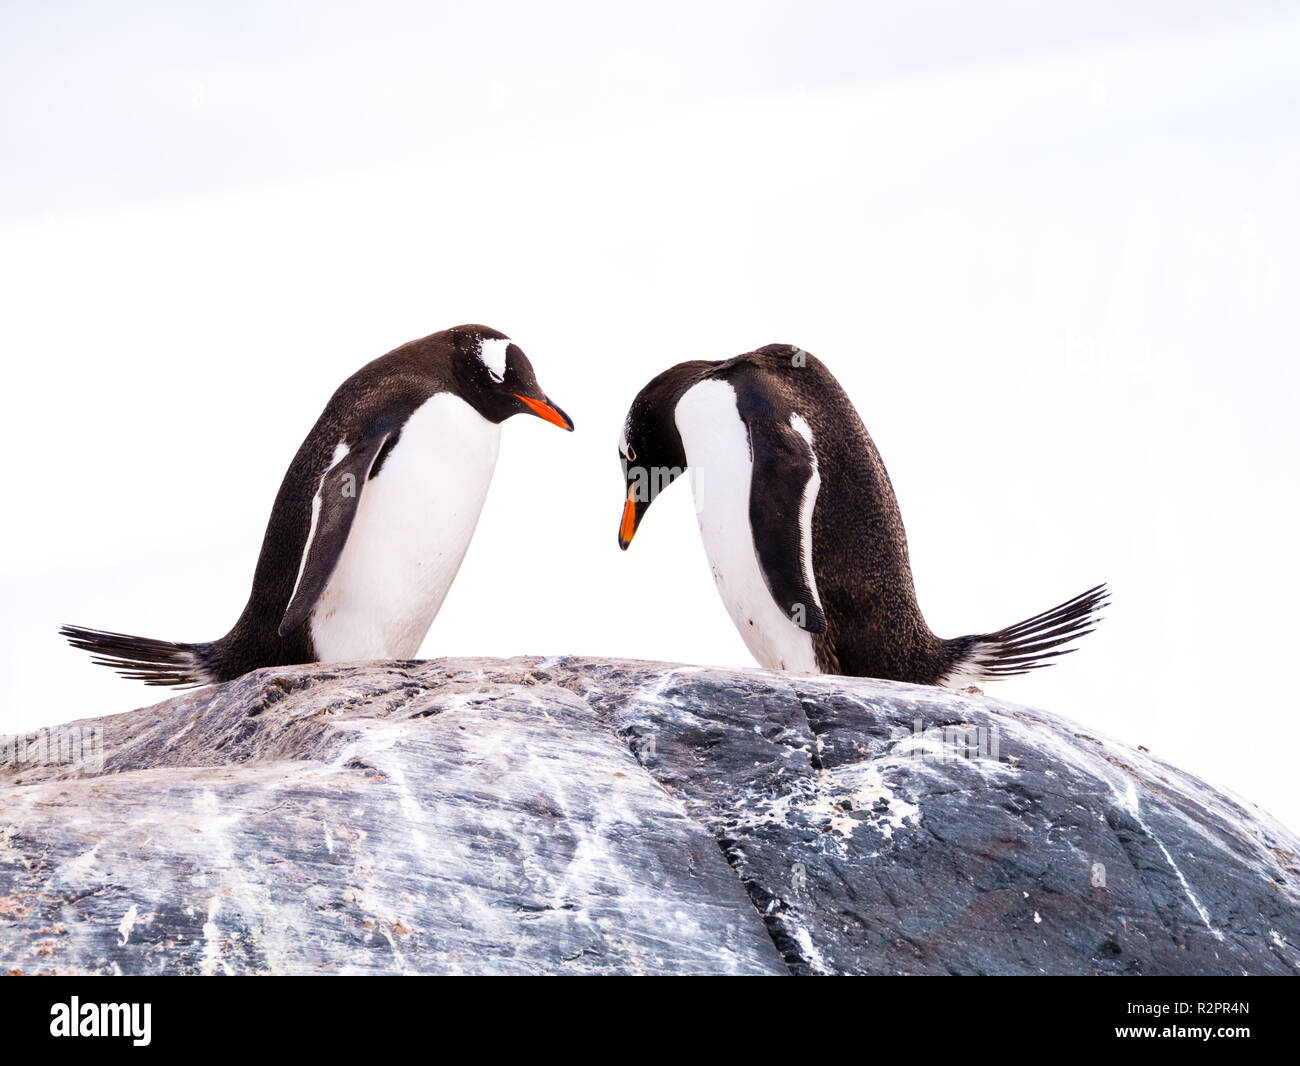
839	801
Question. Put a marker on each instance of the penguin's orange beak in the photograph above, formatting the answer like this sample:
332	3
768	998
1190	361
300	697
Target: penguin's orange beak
627	528
547	411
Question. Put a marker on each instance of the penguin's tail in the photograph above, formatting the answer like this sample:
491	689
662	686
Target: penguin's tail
155	662
1025	646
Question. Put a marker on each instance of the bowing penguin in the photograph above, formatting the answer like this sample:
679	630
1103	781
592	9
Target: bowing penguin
801	527
372	519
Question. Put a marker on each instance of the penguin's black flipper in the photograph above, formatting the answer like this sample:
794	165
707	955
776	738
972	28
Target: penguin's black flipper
782	493
333	508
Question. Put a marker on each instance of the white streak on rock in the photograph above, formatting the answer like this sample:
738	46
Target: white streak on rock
212	941
1134	808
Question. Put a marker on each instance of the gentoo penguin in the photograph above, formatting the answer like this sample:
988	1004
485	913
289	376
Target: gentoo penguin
372	519
801	527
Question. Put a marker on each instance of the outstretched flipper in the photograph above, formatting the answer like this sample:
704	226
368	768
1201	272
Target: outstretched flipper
332	511
782	495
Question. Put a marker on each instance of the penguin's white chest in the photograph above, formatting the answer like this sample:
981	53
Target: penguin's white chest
721	468
414	521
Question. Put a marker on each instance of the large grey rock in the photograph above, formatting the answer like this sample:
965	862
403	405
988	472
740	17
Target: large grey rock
596	816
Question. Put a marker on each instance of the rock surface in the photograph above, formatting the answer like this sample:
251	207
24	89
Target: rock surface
597	816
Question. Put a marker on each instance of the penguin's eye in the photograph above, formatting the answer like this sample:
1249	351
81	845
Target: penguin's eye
498	378
631	454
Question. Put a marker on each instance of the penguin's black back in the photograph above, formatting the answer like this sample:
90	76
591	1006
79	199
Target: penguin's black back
874	626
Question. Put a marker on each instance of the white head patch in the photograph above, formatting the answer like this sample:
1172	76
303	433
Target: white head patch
492	354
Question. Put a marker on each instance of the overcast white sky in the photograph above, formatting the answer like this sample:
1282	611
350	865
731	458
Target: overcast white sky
1051	251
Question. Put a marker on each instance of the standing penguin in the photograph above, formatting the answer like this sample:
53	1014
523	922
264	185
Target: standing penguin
801	527
372	519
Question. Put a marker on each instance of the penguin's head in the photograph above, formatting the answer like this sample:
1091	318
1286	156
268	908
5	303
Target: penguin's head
497	379
650	448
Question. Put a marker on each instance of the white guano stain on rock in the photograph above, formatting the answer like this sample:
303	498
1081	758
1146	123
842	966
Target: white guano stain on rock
130	920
